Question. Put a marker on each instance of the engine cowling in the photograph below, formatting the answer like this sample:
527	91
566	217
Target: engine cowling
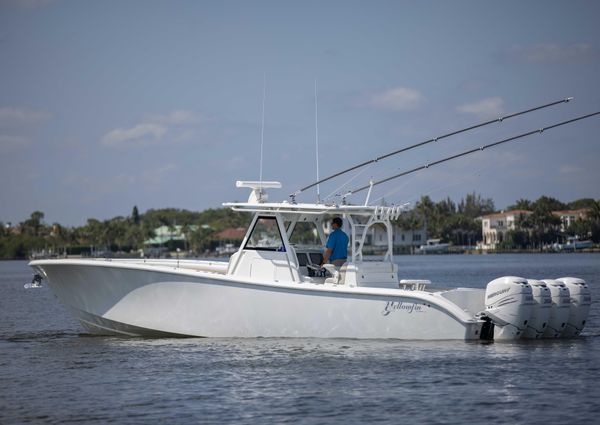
579	308
560	310
509	304
540	315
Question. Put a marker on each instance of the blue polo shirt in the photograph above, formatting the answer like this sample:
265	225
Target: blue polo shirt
338	243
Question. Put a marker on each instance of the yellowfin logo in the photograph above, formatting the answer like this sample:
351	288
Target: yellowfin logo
392	306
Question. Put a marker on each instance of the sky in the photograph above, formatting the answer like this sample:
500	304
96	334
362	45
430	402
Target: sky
109	104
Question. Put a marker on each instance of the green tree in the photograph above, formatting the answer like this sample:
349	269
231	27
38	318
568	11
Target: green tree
547	203
474	206
545	226
201	239
581	203
594	219
34	224
93	233
135	216
521	204
582	228
426	209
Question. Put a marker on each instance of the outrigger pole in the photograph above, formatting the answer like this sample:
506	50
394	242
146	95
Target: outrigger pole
435	139
491	145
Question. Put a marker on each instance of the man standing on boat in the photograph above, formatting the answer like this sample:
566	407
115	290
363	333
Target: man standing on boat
336	249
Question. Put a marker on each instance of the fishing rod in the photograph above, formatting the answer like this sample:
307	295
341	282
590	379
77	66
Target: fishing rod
435	139
481	148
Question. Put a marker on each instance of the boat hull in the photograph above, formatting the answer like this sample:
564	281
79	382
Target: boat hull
136	300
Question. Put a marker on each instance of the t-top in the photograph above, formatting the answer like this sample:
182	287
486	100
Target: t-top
338	243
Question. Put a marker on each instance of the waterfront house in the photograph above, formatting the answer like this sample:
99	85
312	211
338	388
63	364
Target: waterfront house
377	237
494	227
229	240
568	217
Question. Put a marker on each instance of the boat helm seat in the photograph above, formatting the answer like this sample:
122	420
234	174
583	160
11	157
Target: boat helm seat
333	271
343	270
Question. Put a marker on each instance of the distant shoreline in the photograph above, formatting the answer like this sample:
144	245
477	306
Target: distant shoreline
472	252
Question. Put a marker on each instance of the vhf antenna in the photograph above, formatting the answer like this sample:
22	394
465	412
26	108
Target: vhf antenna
317	142
262	131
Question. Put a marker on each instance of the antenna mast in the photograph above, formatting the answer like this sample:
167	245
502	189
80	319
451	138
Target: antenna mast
262	129
317	142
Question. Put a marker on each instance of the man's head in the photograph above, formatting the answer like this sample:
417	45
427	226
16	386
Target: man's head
336	223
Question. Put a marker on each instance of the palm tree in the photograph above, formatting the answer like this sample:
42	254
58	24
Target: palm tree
594	220
33	224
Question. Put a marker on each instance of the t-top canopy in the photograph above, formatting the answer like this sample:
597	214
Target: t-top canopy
257	203
383	212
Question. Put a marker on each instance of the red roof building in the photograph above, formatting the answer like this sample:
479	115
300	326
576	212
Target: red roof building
231	234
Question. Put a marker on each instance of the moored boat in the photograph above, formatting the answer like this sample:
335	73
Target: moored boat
434	246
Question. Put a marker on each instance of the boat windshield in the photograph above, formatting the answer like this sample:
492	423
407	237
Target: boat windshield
305	234
265	235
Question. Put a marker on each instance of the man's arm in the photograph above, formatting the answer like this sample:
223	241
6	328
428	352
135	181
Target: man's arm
326	256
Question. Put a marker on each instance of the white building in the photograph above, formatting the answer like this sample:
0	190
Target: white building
377	237
568	217
494	227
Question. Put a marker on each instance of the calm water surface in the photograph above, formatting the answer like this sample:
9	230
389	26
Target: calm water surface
52	372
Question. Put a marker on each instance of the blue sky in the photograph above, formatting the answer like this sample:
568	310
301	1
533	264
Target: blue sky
107	105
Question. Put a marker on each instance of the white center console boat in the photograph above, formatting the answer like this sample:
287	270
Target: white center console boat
270	288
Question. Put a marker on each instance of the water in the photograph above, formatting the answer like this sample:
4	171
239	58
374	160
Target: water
52	372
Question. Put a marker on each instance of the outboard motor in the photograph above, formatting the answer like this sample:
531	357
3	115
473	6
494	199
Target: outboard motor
509	304
540	315
560	310
581	300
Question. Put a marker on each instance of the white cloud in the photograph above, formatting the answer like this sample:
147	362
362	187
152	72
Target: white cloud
177	117
569	169
491	107
141	133
12	143
544	53
17	116
397	99
178	123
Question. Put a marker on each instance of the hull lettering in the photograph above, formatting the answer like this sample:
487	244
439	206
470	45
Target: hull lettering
392	306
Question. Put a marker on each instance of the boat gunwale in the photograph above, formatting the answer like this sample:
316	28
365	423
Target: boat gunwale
307	288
